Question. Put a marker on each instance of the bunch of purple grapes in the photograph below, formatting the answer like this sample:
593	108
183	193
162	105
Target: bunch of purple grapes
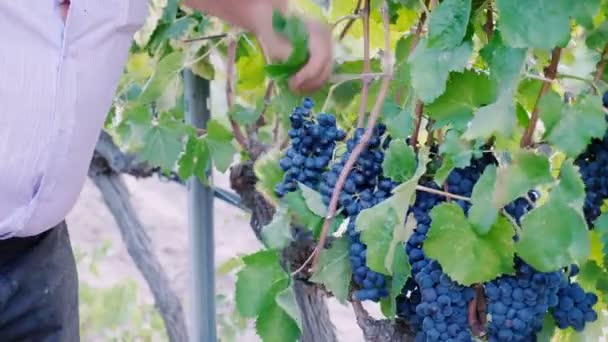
518	304
312	146
364	188
442	319
592	164
575	306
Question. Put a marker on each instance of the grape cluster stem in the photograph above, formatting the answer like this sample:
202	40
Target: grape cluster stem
366	65
602	65
489	26
419	111
419	28
350	22
550	73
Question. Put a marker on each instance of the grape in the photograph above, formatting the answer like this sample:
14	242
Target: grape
574	269
575	306
372	284
311	148
407	302
443	306
518	304
359	190
364	188
518	208
592	163
435	296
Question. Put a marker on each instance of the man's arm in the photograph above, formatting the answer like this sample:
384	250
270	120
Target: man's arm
256	16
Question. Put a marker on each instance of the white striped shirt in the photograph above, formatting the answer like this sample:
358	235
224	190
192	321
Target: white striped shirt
57	81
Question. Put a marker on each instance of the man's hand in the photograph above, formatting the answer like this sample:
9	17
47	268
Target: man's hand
256	16
319	66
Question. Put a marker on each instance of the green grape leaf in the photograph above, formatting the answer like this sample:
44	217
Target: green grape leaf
402	76
527	93
334	269
570	189
170	10
448	23
483	214
522	116
162	144
175	30
601	227
399	122
219	139
401	271
550	111
136	121
580	62
584	11
457	150
294	30
382	225
314	200
204	68
569	242
602	287
273	323
195	160
444	171
166	69
526	171
377	235
590	273
498	117
541	24
400	237
581	122
452	241
243	115
505	63
256	279
250	68
596	39
399	201
277	233
465	92
430	68
286	299
400	161
403	47
303	215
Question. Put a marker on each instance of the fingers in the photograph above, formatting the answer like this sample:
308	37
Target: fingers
312	76
319	67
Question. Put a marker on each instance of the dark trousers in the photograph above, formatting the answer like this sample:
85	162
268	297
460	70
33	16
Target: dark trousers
39	288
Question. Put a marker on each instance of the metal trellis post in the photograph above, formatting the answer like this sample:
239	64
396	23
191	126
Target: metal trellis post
200	216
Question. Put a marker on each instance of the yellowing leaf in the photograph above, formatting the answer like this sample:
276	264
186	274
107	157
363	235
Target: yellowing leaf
139	66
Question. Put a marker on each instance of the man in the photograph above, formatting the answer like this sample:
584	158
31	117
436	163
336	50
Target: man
59	68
